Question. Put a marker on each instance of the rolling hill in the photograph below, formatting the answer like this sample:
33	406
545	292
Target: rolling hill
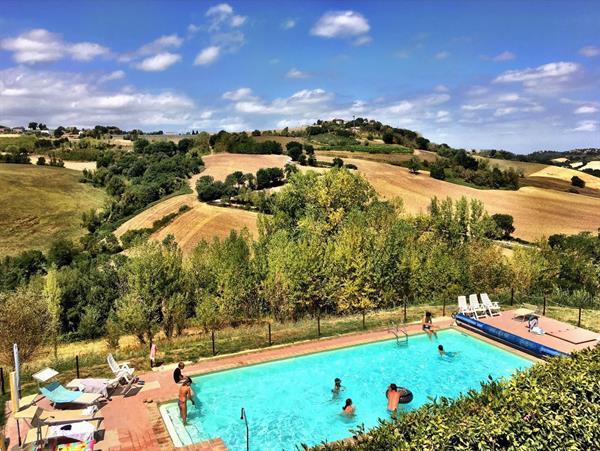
41	204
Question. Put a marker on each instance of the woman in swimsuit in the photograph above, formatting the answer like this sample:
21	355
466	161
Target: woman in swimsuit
348	408
185	393
427	325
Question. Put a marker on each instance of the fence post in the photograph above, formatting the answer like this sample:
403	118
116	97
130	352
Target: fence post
77	365
2	380
363	312
405	309
318	325
212	336
579	319
544	313
270	341
512	295
444	307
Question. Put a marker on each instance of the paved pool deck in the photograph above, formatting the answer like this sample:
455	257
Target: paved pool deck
133	422
558	335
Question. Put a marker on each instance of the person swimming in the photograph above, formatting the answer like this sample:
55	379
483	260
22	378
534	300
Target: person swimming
444	353
427	325
348	408
337	386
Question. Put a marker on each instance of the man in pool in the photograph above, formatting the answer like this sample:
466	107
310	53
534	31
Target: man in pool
348	408
185	393
178	376
393	396
427	325
337	387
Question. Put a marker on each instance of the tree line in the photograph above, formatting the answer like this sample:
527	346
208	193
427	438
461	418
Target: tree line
330	246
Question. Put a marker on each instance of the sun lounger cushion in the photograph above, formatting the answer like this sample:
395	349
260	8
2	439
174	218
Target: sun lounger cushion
58	394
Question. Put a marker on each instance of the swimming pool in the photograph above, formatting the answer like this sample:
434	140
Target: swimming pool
289	402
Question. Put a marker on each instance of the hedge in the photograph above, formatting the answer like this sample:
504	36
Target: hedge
553	405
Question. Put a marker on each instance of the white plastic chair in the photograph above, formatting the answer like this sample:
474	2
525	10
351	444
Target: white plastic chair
120	371
492	307
463	307
476	307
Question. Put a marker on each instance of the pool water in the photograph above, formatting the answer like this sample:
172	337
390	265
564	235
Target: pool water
289	402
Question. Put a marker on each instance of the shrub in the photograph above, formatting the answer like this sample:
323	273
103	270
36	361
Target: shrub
41	161
578	182
555	405
505	224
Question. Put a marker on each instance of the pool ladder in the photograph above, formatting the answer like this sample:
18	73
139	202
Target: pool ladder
399	332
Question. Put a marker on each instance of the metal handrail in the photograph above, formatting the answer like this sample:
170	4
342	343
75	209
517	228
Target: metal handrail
398	331
245	418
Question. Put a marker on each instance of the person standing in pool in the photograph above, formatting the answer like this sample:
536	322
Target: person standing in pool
185	393
337	387
427	325
348	408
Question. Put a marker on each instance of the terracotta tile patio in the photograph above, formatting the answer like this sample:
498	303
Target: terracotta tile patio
133	422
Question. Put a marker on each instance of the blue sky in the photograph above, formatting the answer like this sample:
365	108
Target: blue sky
517	75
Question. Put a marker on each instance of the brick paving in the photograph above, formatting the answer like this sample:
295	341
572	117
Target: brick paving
133	422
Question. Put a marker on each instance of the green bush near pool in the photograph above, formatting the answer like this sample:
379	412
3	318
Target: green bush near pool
555	406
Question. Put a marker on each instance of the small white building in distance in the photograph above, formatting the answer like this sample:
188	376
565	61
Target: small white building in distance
338	121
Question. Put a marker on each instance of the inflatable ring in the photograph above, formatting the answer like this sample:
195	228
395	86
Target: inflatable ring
407	397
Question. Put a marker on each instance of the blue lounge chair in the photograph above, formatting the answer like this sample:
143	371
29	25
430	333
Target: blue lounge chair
57	394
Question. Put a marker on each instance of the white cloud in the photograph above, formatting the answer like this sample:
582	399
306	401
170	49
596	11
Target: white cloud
238	21
74	99
545	71
158	62
475	106
193	29
238	94
116	75
503	56
590	51
586	126
40	45
362	40
510	97
288	24
586	109
402	54
155	48
443	116
441	88
442	55
477	91
223	14
340	24
207	56
504	111
297	73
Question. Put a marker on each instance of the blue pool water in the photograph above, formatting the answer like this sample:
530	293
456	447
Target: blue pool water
289	402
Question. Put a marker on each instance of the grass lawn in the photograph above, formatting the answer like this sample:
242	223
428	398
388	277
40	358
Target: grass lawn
40	204
26	141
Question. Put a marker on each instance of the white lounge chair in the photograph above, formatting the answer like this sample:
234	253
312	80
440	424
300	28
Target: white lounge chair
120	371
492	307
476	307
463	307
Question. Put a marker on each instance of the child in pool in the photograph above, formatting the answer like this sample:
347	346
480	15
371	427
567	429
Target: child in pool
337	387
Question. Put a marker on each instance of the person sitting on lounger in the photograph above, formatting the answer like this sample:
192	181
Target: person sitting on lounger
348	408
427	325
337	387
185	393
178	376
